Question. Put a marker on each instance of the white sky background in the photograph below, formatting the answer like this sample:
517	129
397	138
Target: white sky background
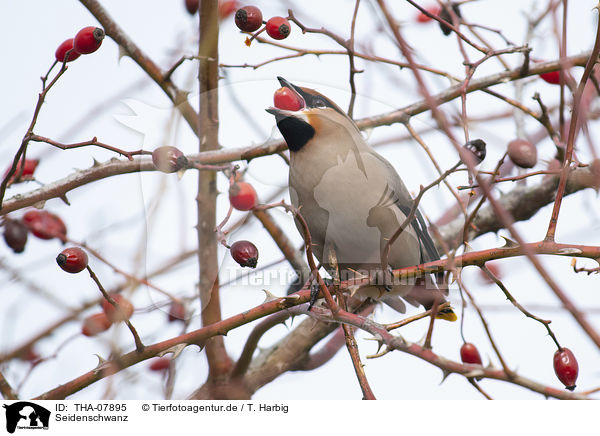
98	94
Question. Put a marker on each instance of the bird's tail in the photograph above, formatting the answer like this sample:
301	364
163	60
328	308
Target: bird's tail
426	292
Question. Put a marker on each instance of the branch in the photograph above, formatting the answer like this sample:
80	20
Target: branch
522	202
196	337
114	31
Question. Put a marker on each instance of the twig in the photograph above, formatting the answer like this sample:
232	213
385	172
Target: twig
259	330
25	141
94	141
139	346
357	364
353	69
8	393
571	136
427	313
509	297
114	31
476	386
449	25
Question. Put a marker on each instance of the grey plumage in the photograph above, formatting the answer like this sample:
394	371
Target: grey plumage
351	197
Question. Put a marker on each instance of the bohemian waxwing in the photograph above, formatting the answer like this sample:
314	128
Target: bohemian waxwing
353	201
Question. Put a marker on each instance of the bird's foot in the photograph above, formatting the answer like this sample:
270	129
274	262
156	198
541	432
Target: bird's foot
315	289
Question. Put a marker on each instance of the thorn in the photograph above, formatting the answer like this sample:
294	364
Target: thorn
269	296
175	350
288	300
65	199
379	340
508	243
445	374
101	360
569	250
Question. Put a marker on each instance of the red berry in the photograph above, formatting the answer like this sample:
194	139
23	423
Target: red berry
552	77
285	98
160	364
278	28
433	10
94	324
469	354
45	225
88	40
72	260
176	312
242	196
248	18
123	312
168	159
63	48
191	6
523	153
566	367
30	355
15	235
245	253
28	170
226	8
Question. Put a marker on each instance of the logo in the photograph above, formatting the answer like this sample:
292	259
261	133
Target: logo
26	415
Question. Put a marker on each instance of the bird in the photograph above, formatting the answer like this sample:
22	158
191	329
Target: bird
353	201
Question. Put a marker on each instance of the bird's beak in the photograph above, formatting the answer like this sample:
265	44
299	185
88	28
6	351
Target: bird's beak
285	84
296	90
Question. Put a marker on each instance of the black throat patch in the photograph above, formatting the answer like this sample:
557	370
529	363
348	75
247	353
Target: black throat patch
295	132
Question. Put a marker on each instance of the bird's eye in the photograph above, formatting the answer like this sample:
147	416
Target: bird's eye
319	102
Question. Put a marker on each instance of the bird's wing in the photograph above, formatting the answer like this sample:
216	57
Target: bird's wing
405	203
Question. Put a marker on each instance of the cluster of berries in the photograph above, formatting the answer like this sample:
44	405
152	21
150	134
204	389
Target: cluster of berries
87	41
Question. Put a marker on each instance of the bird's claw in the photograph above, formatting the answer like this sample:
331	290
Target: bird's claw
315	289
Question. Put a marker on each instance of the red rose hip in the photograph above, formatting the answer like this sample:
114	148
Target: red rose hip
63	48
470	354
245	253
123	311
287	99
523	153
45	225
88	40
242	196
176	312
278	28
191	6
15	235
168	159
248	18
226	8
72	260
30	355
94	324
433	10
28	170
566	367
160	364
552	77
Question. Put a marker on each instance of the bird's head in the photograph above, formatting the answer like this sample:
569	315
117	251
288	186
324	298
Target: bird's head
317	117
